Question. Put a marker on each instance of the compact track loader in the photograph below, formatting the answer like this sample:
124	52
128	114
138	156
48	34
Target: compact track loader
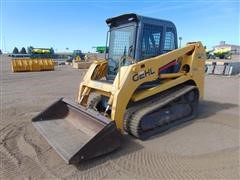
145	86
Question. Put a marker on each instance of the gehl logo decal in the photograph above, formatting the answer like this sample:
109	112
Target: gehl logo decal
142	74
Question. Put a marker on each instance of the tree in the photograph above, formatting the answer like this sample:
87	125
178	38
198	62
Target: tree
51	51
15	50
29	49
23	51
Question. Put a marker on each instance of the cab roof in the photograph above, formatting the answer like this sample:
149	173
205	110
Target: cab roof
132	17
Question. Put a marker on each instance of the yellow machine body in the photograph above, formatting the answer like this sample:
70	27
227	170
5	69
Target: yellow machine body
123	90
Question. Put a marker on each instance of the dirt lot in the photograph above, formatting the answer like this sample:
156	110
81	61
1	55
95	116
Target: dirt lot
205	148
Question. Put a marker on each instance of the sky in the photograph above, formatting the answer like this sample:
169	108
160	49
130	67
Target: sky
80	24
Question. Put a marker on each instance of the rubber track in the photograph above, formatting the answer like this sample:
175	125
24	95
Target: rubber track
135	113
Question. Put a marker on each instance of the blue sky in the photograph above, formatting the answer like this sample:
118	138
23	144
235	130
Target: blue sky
80	24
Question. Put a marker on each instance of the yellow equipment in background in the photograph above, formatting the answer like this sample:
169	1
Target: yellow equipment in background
81	63
41	50
78	59
145	86
28	65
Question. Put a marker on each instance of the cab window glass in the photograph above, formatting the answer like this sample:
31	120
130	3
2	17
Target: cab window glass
151	41
169	43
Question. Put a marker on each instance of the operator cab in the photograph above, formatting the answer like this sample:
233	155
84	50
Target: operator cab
134	38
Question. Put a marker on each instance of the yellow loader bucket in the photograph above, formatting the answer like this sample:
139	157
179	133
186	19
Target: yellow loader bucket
75	133
25	65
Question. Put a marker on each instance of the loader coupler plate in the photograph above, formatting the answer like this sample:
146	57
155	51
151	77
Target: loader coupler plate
75	133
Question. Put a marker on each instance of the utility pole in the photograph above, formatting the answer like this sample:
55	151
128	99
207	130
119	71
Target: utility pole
180	40
4	45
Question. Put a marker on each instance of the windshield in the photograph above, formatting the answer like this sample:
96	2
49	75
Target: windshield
121	45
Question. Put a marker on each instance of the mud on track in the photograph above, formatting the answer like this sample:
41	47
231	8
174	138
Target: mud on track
205	148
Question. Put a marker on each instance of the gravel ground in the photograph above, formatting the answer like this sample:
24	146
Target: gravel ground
205	148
